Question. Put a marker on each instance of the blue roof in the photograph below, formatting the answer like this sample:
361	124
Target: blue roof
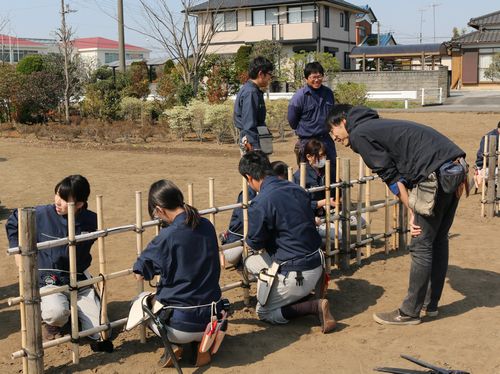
371	40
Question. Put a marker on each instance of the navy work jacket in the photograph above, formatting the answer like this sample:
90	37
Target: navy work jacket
50	226
479	155
313	179
250	112
187	261
308	110
281	221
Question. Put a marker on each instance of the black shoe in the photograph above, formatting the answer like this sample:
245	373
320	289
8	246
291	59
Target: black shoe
395	318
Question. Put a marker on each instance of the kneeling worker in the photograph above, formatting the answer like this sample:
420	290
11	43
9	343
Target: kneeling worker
281	222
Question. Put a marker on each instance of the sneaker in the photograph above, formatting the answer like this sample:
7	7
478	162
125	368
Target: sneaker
167	362
430	312
326	319
52	332
395	318
354	222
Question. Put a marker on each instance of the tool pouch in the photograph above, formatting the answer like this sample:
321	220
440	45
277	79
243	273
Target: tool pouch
266	277
422	197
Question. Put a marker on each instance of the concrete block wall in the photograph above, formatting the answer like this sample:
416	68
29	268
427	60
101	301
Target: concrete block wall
413	80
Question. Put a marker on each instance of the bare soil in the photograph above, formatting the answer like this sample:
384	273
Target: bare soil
466	335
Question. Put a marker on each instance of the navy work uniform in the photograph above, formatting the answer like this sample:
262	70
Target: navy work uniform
282	222
187	261
307	113
249	113
53	265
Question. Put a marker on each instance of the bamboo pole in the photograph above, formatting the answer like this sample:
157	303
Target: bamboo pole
290	174
328	239
492	161
211	198
246	283
73	283
403	222
102	266
139	245
368	248
395	237
346	209
359	207
22	275
31	292
498	176
387	221
190	194
337	209
303	174
483	182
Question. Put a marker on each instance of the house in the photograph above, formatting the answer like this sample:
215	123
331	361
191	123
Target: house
364	24
472	53
324	26
99	51
13	49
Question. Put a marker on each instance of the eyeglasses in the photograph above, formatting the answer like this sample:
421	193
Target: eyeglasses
315	77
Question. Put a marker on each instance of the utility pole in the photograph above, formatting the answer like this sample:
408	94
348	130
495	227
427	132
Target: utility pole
65	34
434	5
121	37
421	10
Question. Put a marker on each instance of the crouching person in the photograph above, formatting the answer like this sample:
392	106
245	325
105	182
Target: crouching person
289	263
53	263
185	255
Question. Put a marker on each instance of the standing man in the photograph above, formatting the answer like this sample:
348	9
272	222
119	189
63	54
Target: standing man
410	157
249	107
307	113
479	172
289	264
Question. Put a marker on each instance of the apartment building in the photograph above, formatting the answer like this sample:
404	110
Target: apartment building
324	26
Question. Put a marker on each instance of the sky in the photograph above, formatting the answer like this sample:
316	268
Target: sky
40	18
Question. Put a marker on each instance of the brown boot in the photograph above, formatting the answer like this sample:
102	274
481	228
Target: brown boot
202	358
168	362
325	317
51	332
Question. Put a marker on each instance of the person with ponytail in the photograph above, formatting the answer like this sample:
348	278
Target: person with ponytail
53	263
185	255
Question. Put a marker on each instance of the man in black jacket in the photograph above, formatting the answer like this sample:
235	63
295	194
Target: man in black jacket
405	154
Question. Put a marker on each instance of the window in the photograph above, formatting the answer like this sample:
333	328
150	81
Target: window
302	14
347	61
341	19
346	21
225	21
113	56
267	16
327	16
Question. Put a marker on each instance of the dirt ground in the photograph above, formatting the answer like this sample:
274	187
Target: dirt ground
465	336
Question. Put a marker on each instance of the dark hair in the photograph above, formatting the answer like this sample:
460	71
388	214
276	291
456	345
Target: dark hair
337	114
167	195
256	164
313	67
259	64
498	125
280	169
313	147
76	187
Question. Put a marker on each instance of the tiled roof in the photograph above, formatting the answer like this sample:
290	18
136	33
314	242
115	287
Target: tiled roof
478	37
10	40
484	21
232	4
371	40
103	43
399	50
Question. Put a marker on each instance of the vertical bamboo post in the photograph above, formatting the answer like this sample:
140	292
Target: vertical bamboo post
102	266
303	174
31	292
190	194
346	209
73	283
246	284
359	206
211	198
395	235
22	305
138	239
290	174
483	182
492	161
387	221
328	239
403	226
498	176
337	209
368	204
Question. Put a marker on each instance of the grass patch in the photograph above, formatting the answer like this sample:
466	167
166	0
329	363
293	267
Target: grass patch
387	104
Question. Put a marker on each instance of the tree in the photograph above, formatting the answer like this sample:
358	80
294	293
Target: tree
297	63
9	85
138	76
31	63
456	32
185	39
241	63
493	71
